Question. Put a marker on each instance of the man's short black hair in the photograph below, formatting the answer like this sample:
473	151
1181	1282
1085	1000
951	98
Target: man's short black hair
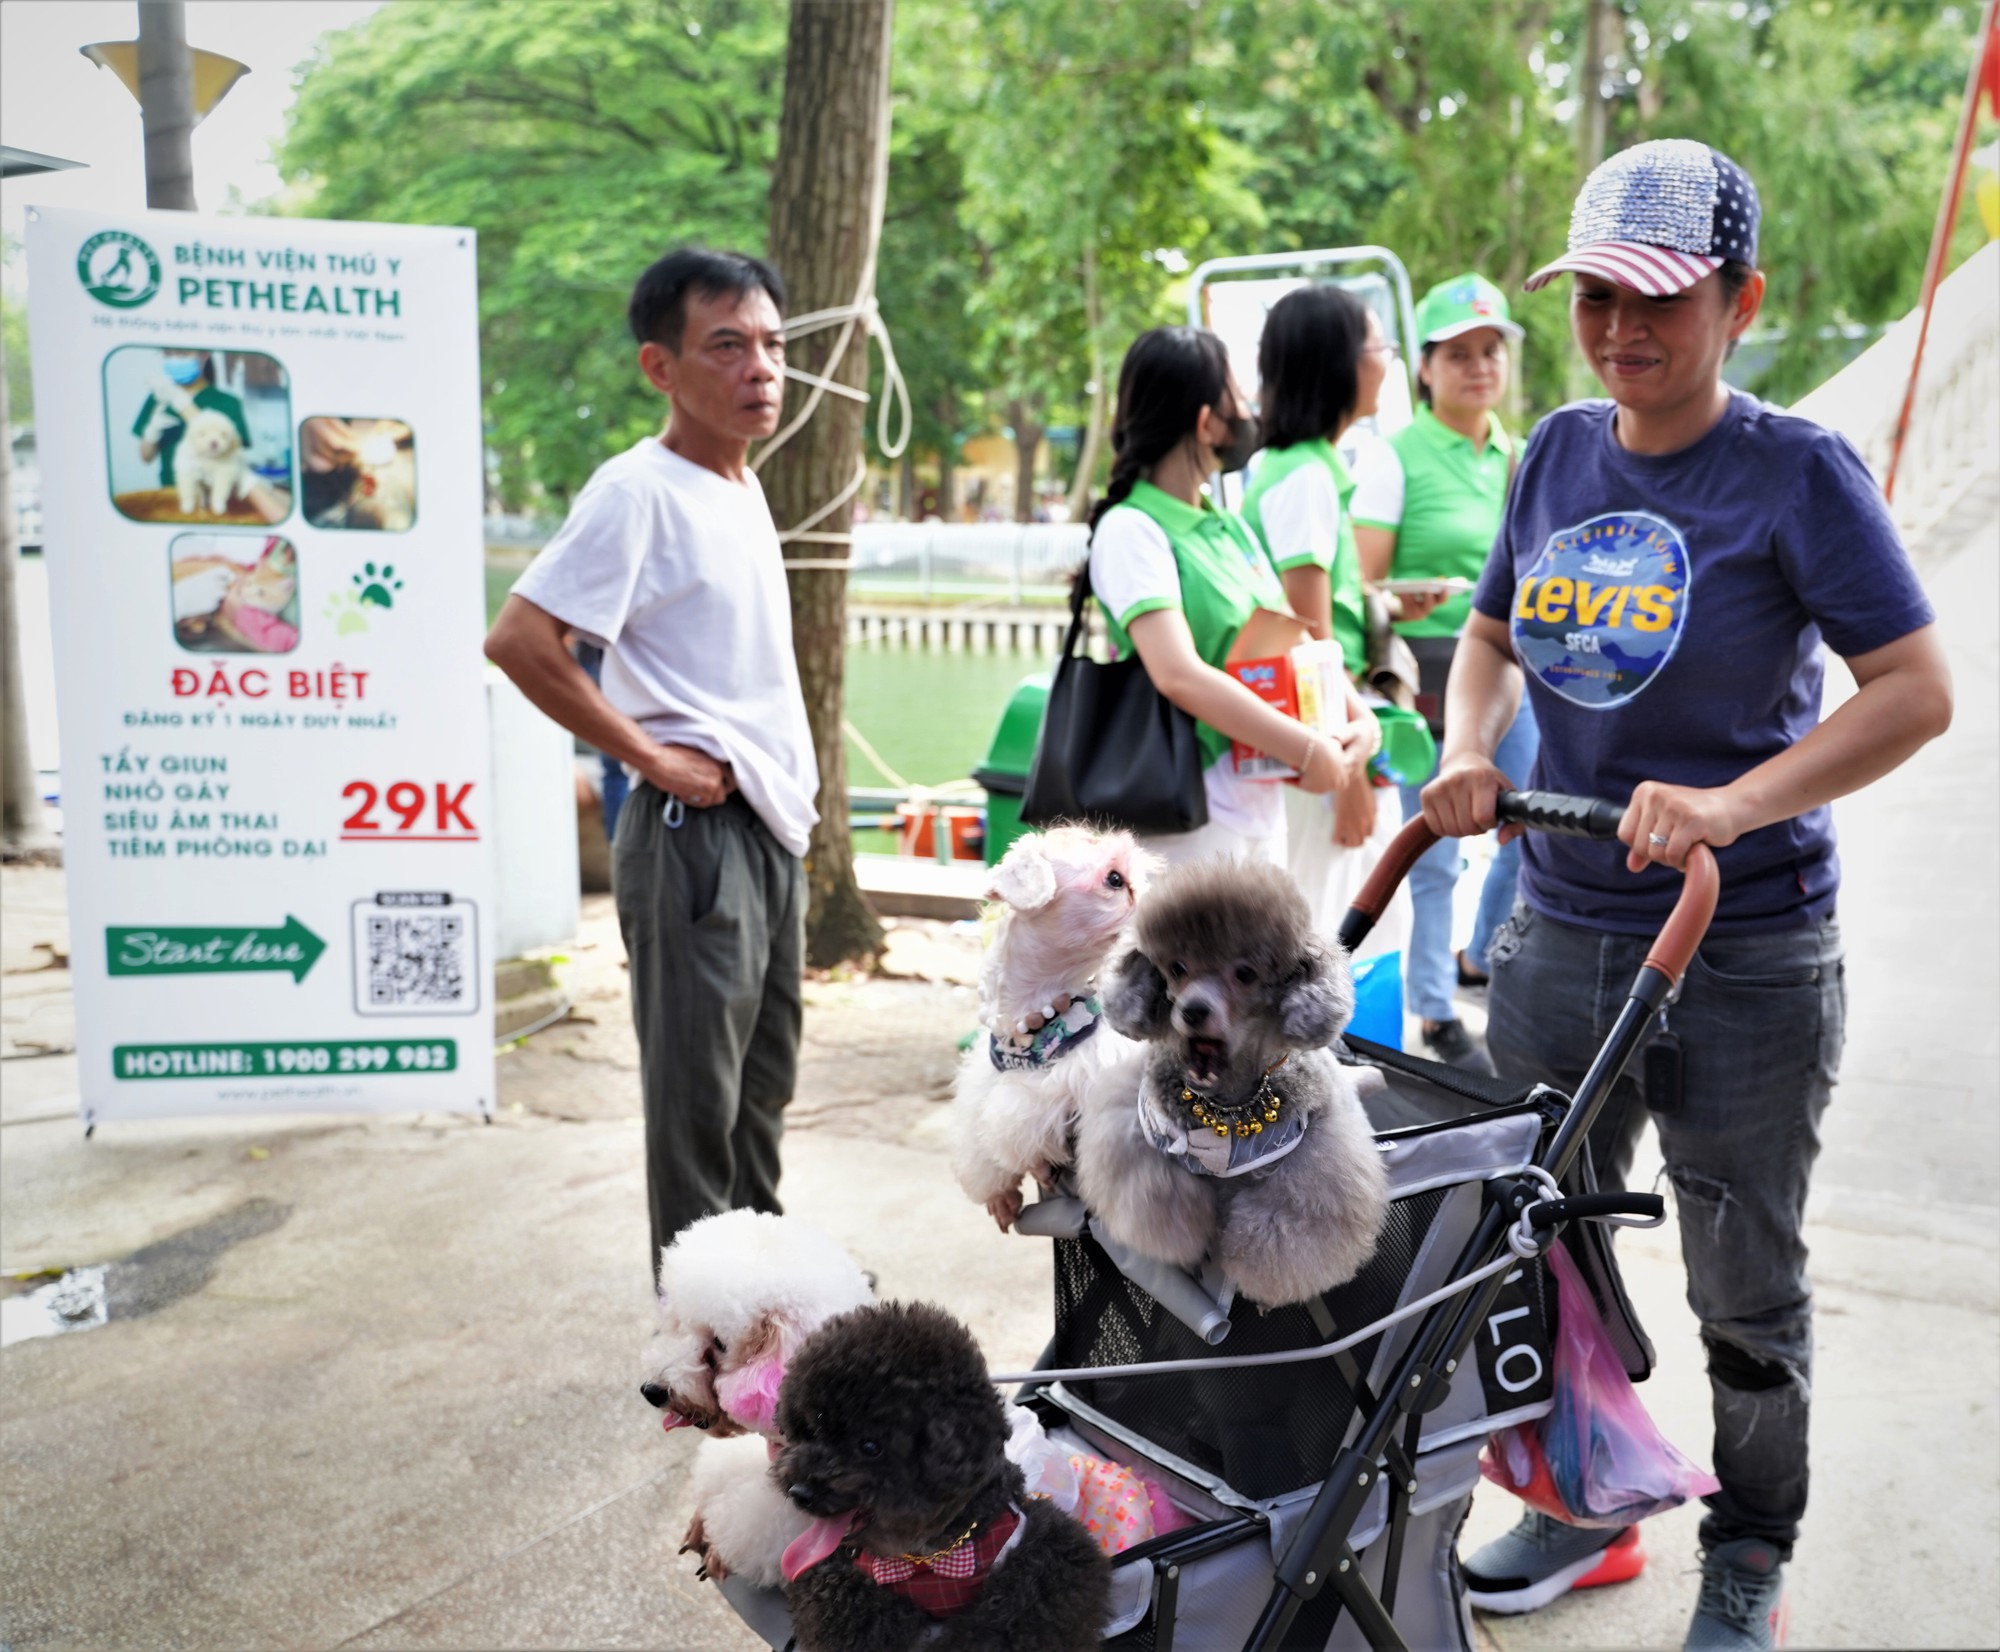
658	311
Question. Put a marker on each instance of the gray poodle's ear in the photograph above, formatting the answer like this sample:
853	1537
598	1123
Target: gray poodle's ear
1319	1000
1135	998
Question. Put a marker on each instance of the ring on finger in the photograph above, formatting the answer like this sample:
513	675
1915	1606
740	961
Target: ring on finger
1657	839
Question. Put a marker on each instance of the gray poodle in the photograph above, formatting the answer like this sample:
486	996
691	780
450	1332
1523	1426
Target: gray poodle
895	1444
1234	1136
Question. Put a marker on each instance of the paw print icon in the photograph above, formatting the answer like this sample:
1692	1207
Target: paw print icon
377	586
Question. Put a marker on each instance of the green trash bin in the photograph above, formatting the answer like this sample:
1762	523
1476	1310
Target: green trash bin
1004	774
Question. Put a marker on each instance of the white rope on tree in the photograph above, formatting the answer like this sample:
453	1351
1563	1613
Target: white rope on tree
866	313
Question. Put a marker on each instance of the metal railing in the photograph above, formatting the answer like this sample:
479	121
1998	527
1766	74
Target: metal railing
931	558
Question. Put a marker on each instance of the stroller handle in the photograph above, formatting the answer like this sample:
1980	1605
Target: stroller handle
1552	812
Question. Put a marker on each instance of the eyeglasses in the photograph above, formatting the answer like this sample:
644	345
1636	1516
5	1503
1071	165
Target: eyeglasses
1384	347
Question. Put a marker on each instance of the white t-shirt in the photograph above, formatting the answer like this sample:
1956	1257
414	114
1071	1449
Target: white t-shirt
676	573
1132	566
1301	517
1378	486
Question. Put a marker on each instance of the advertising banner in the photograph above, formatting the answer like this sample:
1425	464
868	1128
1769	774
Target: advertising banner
261	479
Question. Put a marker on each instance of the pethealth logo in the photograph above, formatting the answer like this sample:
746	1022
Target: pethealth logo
118	269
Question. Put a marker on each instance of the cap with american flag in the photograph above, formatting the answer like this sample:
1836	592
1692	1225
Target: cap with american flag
1658	217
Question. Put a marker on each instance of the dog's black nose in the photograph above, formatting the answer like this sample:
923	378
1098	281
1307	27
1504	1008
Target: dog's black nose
1194	1011
653	1394
803	1493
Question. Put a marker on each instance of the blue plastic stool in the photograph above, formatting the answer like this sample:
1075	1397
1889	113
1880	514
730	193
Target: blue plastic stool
1378	999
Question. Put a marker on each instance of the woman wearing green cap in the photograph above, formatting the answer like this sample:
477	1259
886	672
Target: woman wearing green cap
1426	507
1674	565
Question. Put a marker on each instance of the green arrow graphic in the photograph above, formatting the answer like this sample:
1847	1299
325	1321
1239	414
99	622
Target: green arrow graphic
203	951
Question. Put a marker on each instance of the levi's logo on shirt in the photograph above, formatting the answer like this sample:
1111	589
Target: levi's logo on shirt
1602	610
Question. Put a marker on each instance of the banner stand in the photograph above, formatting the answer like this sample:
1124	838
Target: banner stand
262	479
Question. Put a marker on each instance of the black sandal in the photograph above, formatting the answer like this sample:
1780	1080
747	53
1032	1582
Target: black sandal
1469	977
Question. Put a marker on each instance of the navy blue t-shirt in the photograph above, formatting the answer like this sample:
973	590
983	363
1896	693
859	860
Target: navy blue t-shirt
1668	612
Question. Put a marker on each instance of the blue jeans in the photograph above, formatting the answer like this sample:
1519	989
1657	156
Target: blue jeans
1760	1022
1430	972
612	797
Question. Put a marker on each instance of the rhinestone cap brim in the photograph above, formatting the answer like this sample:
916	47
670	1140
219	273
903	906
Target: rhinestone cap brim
1655	271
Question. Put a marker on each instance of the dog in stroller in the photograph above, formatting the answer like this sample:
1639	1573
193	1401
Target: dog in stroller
1234	1136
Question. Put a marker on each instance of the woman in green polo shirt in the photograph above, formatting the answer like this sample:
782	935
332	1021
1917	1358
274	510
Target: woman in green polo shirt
1177	578
1427	507
1322	360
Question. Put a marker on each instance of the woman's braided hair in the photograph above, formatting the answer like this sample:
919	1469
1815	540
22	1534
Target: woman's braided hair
1168	376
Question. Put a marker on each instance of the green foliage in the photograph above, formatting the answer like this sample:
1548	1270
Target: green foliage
580	138
928	266
20	381
1093	173
1057	165
1844	114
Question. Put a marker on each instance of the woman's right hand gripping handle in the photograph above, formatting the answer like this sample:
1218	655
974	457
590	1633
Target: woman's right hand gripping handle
1474	796
1463	800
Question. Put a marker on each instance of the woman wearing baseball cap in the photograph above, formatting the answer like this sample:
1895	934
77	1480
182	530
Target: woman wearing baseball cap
1670	562
1426	507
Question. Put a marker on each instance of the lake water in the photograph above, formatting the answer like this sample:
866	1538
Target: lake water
931	715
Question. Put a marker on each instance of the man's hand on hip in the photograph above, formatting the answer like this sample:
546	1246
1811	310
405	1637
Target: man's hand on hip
692	776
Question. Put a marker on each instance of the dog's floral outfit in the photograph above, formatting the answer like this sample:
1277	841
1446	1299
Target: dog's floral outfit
1054	1040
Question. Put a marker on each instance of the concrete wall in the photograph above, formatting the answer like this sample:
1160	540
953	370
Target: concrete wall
534	813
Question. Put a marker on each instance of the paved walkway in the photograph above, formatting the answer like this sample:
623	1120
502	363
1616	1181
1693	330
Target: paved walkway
393	1405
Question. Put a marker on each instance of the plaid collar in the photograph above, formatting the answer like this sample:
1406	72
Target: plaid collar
947	1584
1055	1038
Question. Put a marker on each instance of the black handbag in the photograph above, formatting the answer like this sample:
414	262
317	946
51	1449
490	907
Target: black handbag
1114	751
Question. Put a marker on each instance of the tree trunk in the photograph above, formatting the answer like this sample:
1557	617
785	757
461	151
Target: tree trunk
827	192
23	830
166	104
1027	444
1593	110
947	487
1593	118
1085	480
906	486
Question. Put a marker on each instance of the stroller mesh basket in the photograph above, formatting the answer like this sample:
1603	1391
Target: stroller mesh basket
1265	1430
1245	1449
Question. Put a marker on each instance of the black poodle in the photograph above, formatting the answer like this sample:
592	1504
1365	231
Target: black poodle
895	1443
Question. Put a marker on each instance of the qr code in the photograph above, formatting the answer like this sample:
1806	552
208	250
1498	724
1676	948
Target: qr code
415	960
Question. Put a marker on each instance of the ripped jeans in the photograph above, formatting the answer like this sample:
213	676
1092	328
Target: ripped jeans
1760	1022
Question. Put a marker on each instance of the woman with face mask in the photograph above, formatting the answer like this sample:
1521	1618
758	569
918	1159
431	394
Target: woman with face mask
1426	506
1674	563
1177	578
162	423
1322	358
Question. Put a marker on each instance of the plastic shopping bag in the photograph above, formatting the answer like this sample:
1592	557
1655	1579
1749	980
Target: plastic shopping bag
1596	1459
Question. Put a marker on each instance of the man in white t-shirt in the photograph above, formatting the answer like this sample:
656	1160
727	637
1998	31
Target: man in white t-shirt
670	563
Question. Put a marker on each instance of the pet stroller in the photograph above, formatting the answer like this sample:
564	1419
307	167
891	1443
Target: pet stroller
1326	1453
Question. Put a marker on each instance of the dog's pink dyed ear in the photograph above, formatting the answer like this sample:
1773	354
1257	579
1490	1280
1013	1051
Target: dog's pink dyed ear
1023	879
750	1394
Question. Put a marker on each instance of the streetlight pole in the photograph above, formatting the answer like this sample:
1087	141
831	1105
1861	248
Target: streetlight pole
166	104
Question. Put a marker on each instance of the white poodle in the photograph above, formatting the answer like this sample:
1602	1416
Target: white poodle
210	462
1064	897
739	1293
